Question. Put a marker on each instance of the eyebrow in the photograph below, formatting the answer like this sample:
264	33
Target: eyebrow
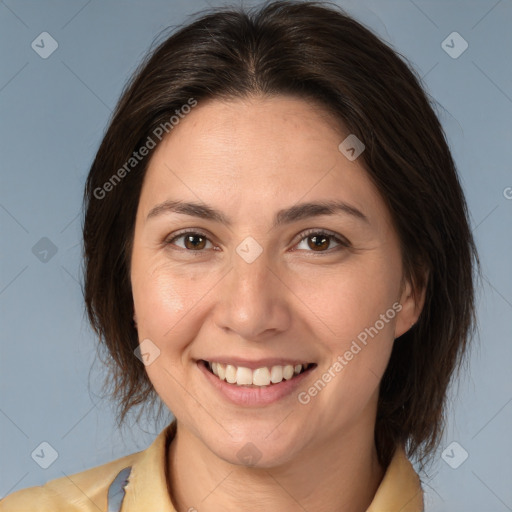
285	216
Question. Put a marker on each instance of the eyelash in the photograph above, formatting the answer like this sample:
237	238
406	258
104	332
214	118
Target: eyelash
342	241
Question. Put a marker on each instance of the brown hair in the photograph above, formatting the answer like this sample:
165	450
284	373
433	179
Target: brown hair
317	52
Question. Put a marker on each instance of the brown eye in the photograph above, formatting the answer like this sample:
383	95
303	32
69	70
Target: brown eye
192	241
195	241
320	241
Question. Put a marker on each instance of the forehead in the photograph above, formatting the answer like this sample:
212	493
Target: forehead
257	153
257	132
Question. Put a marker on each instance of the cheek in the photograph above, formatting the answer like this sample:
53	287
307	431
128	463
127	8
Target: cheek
164	298
161	294
364	335
350	299
359	355
358	308
170	304
167	303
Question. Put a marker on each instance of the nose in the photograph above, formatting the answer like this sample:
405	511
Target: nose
253	300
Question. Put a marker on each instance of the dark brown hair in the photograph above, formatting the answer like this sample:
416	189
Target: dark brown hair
314	51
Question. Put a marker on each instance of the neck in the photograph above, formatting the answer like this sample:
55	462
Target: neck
340	472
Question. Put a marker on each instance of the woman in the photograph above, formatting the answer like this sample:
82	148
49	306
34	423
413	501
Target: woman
276	246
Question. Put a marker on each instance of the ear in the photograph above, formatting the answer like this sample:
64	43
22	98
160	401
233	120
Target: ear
412	300
134	318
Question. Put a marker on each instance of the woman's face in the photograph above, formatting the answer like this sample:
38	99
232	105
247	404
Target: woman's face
265	282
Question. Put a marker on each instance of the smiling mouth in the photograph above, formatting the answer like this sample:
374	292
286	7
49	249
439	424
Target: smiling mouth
260	377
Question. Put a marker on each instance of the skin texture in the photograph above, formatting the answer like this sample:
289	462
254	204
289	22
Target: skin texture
250	158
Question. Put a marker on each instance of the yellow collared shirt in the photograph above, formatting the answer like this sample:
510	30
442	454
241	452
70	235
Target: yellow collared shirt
99	489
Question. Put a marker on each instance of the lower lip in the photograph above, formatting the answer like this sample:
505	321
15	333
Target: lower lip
254	396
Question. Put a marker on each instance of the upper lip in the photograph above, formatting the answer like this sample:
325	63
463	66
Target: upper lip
256	363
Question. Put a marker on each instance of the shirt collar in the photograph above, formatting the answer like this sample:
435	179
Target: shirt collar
399	491
147	486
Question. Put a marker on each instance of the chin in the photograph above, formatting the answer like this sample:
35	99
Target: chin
254	447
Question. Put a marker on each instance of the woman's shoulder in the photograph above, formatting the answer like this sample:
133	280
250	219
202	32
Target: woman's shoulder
78	492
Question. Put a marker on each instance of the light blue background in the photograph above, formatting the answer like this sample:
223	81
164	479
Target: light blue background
53	113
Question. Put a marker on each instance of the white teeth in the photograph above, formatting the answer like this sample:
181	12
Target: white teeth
261	377
288	371
230	374
264	376
276	374
243	376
